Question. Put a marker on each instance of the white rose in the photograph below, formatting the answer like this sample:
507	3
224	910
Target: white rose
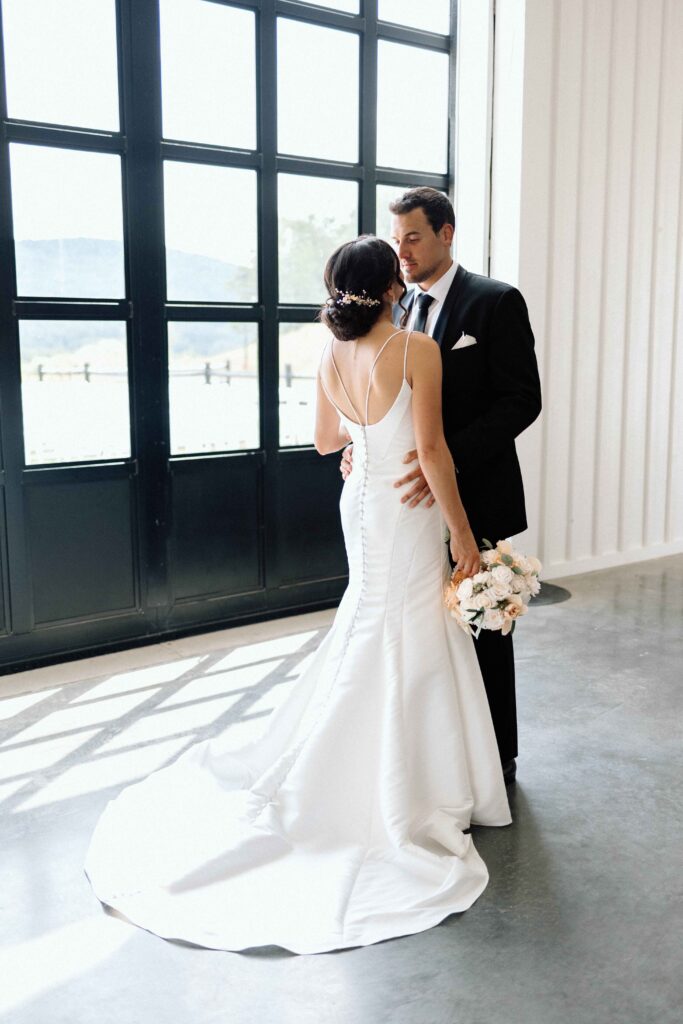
465	589
499	591
534	565
493	618
480	577
501	574
518	585
534	586
483	600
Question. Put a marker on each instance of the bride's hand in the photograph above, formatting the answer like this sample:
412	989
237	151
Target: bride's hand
464	552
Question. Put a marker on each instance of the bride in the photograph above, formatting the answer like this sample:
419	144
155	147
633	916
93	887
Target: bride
347	822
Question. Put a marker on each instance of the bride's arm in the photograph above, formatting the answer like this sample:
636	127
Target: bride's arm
433	454
329	434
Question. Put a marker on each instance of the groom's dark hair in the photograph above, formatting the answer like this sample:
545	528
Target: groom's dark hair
437	206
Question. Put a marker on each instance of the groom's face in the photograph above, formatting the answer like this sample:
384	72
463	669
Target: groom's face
424	253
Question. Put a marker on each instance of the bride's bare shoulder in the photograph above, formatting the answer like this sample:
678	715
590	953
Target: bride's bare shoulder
422	341
424	349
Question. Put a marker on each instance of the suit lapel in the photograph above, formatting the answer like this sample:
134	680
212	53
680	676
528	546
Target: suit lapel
449	302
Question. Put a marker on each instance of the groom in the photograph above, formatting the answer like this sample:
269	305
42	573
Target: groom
491	393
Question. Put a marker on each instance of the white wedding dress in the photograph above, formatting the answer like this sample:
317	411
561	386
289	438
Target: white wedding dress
344	824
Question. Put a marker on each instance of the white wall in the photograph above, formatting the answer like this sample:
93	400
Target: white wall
586	217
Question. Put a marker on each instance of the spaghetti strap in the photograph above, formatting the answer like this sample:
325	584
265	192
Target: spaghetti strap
372	370
405	355
324	387
348	396
361	422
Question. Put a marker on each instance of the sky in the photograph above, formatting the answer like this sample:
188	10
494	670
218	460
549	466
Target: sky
66	73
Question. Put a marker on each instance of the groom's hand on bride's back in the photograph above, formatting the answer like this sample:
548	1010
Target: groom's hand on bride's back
420	488
346	464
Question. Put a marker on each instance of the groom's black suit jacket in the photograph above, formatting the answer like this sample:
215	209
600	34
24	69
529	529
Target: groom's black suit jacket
491	393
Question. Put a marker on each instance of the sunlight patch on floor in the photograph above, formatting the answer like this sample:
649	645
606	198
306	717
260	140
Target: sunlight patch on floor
11	706
153	675
217	684
76	716
30	969
9	788
274	696
161	724
38	757
276	648
105	772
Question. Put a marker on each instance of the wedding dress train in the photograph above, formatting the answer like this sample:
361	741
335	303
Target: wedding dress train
343	824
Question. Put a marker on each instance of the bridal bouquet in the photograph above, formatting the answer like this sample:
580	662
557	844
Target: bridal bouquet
496	596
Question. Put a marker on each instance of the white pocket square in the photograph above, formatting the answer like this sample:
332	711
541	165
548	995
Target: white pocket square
464	341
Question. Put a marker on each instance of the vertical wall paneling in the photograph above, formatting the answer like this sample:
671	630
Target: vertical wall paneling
563	283
665	238
674	491
613	328
587	219
590	243
536	244
648	72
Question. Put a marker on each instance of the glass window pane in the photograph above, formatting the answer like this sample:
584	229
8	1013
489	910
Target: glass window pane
68	222
385	194
316	117
208	73
210	233
301	347
213	367
422	146
60	60
315	216
429	15
74	390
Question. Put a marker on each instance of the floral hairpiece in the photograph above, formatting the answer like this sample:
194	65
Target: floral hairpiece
346	298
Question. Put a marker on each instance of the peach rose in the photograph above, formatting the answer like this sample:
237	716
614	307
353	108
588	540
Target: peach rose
493	619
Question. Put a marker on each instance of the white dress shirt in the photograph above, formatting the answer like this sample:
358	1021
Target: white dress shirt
439	290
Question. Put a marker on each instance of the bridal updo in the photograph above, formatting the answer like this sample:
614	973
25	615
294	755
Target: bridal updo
357	275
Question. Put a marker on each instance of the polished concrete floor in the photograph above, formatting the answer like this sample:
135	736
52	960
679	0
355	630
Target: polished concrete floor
582	922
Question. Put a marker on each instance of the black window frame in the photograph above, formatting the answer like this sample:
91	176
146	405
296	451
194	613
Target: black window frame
140	145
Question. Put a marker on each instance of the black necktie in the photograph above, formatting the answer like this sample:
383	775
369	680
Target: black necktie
424	301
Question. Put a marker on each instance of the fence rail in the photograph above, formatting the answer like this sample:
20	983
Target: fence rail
208	372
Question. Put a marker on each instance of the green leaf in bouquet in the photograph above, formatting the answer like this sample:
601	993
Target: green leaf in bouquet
516	569
487	543
507	559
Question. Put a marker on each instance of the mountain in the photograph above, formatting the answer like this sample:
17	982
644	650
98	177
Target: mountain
89	268
92	268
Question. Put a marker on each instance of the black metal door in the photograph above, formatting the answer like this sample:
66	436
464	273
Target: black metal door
159	282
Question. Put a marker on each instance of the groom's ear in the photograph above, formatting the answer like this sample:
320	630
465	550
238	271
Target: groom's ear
447	233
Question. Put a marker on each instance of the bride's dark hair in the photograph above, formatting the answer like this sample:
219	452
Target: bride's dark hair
365	267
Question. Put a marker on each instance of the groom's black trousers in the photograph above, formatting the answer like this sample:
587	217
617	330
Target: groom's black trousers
497	664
